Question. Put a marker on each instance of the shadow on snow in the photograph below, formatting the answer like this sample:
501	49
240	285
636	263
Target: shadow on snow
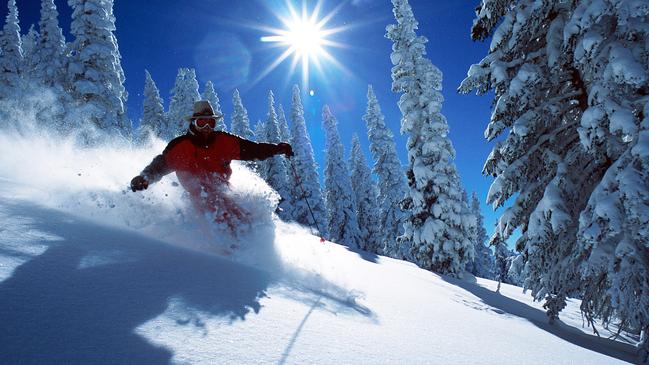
608	347
55	309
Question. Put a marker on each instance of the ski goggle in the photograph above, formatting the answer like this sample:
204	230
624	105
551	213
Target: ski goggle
204	123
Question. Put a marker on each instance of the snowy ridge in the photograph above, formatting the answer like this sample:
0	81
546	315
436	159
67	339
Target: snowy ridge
93	273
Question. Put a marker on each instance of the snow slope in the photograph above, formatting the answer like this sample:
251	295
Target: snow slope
93	273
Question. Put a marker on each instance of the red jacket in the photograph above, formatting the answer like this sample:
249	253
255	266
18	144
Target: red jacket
203	165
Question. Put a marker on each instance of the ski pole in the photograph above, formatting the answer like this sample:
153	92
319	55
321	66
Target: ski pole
299	182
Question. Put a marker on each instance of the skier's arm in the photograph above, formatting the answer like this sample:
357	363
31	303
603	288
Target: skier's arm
152	173
156	169
249	150
159	166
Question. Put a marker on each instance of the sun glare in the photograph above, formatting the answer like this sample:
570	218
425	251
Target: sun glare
305	38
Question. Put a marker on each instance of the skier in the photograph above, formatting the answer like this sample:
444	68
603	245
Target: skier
201	159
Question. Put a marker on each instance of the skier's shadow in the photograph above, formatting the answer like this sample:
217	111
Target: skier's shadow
365	255
505	305
61	307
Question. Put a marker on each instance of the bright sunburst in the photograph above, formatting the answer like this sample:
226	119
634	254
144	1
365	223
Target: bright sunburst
305	37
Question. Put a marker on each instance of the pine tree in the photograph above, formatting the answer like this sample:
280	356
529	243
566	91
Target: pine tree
240	123
483	262
305	179
570	81
95	72
260	132
615	128
210	95
284	133
183	96
365	192
11	56
30	47
153	121
274	168
47	65
342	221
438	222
391	177
49	58
471	232
502	263
177	106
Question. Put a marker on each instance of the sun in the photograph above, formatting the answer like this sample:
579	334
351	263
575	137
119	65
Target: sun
305	37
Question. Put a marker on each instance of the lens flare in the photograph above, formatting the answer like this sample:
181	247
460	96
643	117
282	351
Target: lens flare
305	37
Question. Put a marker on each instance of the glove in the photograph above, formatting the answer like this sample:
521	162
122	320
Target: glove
139	183
285	149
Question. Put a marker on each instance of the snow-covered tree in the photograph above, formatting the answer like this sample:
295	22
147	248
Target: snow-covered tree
365	192
45	66
153	121
284	133
210	94
483	258
177	105
49	58
183	96
391	177
95	72
571	81
274	168
306	185
30	46
240	123
260	132
503	255
438	222
516	272
342	221
11	55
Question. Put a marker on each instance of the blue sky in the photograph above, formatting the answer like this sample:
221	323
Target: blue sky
221	40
